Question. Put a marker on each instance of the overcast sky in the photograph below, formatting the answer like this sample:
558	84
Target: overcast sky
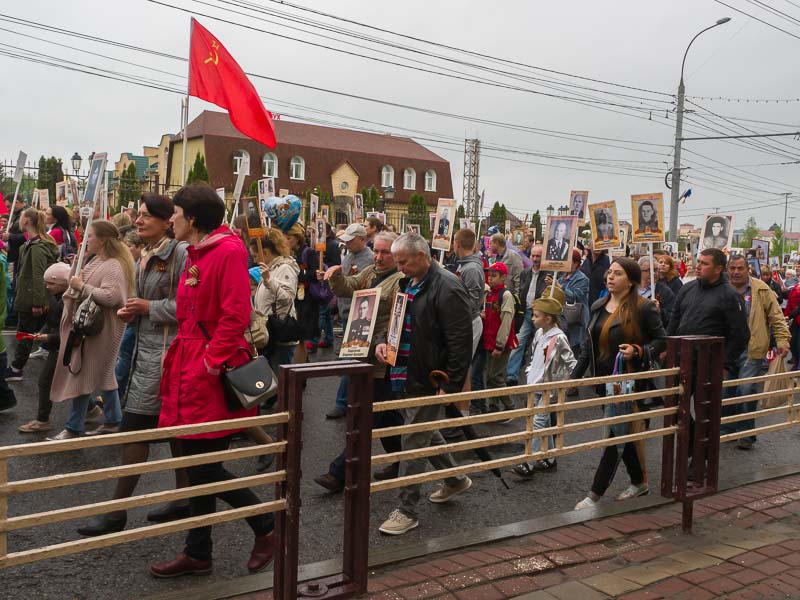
51	111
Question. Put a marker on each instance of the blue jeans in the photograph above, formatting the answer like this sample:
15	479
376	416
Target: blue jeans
122	370
745	367
325	324
477	378
524	336
111	410
541	421
341	395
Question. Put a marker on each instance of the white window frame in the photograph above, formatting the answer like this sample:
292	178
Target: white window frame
270	159
297	161
430	180
409	174
387	176
237	161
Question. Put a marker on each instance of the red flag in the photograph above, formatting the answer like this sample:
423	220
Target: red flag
216	77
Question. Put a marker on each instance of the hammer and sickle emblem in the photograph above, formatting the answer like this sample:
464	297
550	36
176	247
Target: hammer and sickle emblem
213	56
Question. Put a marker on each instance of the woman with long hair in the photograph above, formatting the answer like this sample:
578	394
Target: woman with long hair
60	228
86	364
213	313
307	260
668	273
31	299
625	326
276	294
150	316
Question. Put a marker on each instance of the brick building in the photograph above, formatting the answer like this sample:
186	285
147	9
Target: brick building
340	161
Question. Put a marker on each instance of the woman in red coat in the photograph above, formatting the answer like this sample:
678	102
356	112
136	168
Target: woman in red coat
792	313
213	312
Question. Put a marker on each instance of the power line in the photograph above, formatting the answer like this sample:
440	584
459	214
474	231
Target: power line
757	19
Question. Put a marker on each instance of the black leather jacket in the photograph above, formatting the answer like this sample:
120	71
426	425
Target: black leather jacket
441	332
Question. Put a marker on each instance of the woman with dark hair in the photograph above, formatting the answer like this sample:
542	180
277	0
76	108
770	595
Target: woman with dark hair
622	323
213	313
86	365
648	218
668	273
150	316
60	229
307	306
277	292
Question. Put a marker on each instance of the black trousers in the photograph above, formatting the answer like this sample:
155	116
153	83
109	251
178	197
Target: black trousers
381	391
609	462
26	323
45	383
198	540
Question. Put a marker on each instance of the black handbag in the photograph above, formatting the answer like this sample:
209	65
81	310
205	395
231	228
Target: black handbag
248	385
283	329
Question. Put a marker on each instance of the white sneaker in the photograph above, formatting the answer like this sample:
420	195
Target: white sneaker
446	492
40	353
585	503
634	491
398	523
66	434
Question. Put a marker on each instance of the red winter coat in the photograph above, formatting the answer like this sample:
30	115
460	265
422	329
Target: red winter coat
792	303
191	384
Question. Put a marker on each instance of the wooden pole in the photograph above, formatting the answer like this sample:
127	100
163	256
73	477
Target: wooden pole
553	285
3	510
652	274
260	250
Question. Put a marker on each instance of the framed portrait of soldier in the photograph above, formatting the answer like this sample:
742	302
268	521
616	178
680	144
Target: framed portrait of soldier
717	232
647	211
61	193
577	205
358	203
443	226
72	193
517	237
395	327
313	208
360	324
412	228
671	248
762	249
251	208
623	242
464	224
605	225
324	213
559	243
319	235
93	184
755	267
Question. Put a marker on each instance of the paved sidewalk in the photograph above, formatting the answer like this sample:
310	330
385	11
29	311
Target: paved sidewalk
745	545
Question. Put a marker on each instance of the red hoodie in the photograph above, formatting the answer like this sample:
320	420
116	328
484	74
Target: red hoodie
497	324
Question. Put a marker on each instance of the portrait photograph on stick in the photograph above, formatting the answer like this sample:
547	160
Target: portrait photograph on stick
443	227
396	327
605	225
717	232
360	324
762	249
559	242
412	228
647	211
251	207
358	202
577	205
61	193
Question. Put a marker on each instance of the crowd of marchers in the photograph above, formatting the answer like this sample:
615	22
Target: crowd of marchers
138	336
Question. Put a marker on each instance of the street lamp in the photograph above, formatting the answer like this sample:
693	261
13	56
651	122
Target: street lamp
76	162
388	194
550	210
676	164
563	210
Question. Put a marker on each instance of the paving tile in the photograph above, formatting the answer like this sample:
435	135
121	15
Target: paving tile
722	551
466	561
747	576
448	566
532	564
790	559
771	567
642	574
592	568
786	588
429	589
483	592
696	593
641	595
699	576
666	564
548	578
539	595
459	581
497	571
721	585
387	595
748	559
611	584
595	551
670	587
774	551
516	585
412	575
503	553
574	589
695	560
565	557
641	555
791	544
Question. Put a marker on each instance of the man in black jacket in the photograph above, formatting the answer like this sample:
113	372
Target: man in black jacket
595	267
710	306
437	336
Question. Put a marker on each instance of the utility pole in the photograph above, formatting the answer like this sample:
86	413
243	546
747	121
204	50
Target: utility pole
791	223
470	199
783	236
676	162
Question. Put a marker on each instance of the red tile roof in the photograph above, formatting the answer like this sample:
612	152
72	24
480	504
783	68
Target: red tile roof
315	136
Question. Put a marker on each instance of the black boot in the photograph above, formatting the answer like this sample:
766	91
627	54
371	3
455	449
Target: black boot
103	524
171	511
264	462
388	472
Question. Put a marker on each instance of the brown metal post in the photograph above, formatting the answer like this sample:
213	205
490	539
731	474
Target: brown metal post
357	481
668	442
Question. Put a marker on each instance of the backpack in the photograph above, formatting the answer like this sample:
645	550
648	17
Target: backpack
519	310
69	248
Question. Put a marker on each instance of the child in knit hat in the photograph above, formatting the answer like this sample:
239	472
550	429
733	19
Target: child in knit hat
56	280
551	360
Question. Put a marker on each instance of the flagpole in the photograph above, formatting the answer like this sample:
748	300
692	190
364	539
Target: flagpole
185	104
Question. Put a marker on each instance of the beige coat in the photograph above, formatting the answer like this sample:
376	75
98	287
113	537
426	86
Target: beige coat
766	317
105	281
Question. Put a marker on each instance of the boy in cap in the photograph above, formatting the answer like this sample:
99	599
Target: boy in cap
551	360
56	280
499	338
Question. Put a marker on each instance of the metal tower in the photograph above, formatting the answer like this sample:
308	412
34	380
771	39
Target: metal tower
472	154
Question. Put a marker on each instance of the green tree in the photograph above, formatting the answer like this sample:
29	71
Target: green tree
536	225
461	213
751	231
129	190
372	199
497	217
418	214
776	247
50	172
198	171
